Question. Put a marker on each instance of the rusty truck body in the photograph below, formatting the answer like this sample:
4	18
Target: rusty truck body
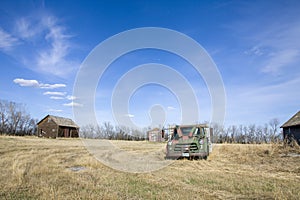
188	141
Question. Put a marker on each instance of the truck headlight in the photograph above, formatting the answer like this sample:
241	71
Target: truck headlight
201	141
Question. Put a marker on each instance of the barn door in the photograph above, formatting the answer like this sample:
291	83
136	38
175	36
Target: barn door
66	132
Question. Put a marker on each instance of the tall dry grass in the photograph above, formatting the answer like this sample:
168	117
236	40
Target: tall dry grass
39	168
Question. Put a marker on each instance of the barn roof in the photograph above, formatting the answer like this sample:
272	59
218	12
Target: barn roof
61	121
294	121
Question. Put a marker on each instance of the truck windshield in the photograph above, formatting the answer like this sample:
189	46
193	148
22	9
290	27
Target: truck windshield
199	132
186	130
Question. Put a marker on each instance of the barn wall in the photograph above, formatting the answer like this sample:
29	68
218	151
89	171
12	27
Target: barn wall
65	131
74	132
47	128
292	132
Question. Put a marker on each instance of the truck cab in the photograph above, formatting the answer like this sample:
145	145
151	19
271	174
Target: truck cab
188	141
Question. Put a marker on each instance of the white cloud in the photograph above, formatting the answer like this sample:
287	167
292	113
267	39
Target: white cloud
7	41
51	86
171	108
55	93
35	83
69	97
72	104
56	97
54	110
26	83
129	115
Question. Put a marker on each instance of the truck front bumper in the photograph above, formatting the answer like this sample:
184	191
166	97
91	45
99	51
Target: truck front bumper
177	155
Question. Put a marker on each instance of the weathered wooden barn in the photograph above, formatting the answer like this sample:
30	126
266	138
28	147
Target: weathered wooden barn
291	128
54	126
156	135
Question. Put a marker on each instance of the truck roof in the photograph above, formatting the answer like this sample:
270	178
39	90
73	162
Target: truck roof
193	125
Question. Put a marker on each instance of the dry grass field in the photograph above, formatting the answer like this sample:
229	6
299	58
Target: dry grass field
39	168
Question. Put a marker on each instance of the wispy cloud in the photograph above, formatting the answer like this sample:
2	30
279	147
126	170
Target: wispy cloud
47	42
54	110
129	115
171	108
283	44
272	44
55	93
72	104
28	29
254	51
51	86
54	58
7	41
268	65
69	97
252	103
34	83
56	98
280	60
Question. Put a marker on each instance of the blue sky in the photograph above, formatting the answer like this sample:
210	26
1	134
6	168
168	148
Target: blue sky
254	44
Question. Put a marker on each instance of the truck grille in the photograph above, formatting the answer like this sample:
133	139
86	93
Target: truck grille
182	147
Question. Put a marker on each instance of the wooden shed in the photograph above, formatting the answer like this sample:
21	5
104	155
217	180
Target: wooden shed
291	128
156	135
54	126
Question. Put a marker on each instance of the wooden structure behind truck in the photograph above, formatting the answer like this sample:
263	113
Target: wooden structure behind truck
156	135
54	126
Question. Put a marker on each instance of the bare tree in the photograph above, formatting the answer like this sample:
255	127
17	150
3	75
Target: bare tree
122	132
218	131
3	116
274	125
88	131
266	134
233	134
259	135
108	130
15	120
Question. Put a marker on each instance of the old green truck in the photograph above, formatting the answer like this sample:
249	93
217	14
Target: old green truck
188	141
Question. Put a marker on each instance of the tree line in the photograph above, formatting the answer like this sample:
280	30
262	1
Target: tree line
14	119
251	134
108	131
